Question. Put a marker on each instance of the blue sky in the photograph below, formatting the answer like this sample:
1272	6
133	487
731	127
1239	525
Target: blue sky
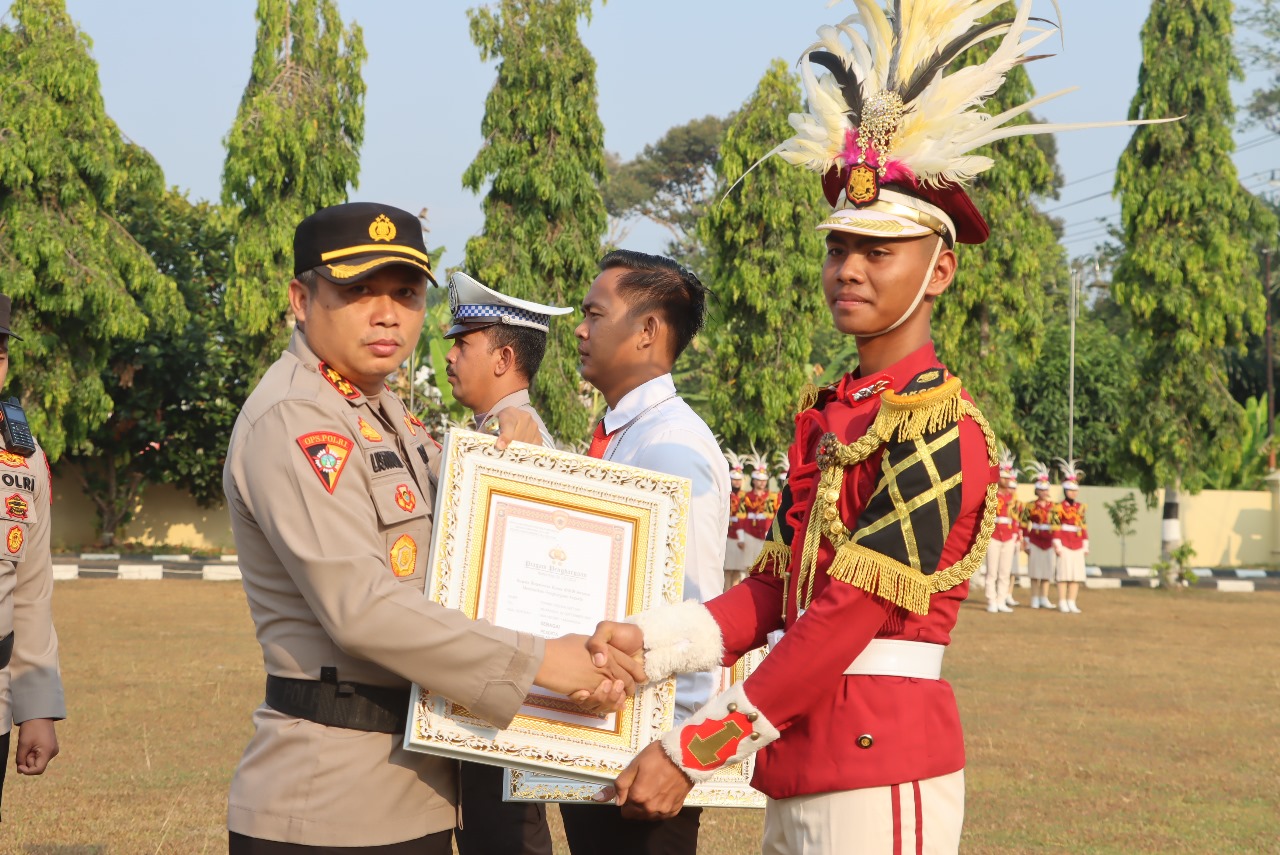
172	73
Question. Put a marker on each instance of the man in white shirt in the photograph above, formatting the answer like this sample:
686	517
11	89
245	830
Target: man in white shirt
639	315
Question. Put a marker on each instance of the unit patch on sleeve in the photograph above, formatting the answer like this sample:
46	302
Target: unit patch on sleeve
337	381
328	453
16	506
13	461
405	498
381	461
13	540
367	431
709	744
404	556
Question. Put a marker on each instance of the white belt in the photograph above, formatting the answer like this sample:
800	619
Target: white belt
1041	527
1069	528
757	516
891	657
1004	520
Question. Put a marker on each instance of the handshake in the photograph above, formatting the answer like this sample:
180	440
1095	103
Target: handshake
597	673
612	661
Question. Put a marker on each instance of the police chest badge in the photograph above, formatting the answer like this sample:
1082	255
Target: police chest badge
13	461
404	556
13	540
405	499
328	453
16	507
367	431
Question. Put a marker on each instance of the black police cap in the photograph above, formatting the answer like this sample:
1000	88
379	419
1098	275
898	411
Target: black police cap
345	243
6	307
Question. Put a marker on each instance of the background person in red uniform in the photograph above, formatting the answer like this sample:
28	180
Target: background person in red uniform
735	564
892	496
1002	554
1070	537
1037	529
757	510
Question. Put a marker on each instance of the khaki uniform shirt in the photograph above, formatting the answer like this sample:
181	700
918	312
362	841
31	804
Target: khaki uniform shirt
31	687
330	494
519	400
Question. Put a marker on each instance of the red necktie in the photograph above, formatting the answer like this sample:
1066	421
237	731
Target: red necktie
599	441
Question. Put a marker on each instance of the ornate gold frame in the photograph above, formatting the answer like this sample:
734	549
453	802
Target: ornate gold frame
654	505
731	787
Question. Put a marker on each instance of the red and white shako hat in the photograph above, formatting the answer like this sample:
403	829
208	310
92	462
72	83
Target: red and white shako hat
1072	474
892	133
736	467
1008	465
1042	477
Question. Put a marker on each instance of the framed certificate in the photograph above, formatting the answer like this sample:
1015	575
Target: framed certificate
548	542
731	787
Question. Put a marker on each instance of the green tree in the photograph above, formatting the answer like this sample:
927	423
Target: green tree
992	319
765	263
1260	45
176	391
543	158
1123	513
294	148
79	280
1188	276
672	183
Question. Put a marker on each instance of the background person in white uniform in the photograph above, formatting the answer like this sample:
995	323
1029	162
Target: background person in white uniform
639	315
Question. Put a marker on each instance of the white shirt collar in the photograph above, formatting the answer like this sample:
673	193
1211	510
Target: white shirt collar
637	401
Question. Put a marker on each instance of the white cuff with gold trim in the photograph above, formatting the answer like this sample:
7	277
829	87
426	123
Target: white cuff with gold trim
679	639
727	730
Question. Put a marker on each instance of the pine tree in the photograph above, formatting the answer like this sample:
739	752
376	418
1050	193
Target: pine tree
79	281
990	322
1188	278
543	157
294	148
765	266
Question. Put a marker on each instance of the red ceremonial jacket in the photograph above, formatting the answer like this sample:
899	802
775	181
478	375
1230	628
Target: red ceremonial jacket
1069	528
756	513
842	732
1008	518
1037	523
735	509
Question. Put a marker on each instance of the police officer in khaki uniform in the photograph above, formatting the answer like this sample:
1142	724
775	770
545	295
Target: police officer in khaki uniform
30	685
498	345
329	480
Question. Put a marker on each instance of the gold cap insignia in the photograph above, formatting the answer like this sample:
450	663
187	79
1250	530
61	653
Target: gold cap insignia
382	228
863	187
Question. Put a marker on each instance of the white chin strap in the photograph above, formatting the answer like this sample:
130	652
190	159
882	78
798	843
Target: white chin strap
928	275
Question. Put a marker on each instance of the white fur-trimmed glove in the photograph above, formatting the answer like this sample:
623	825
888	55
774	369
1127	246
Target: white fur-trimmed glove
679	639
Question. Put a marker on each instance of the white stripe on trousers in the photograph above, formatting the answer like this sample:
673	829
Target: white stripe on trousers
915	818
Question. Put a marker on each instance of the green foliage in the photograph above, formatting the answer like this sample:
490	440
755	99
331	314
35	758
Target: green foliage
1123	513
1245	467
1176	572
991	321
765	265
1188	278
1106	389
671	182
80	283
1262	20
543	159
294	148
178	390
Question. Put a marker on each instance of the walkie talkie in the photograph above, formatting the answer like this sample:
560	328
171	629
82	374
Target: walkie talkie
14	428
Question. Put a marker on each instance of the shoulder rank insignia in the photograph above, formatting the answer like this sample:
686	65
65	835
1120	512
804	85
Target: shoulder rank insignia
16	506
13	461
409	422
13	540
405	498
328	453
404	556
367	431
337	381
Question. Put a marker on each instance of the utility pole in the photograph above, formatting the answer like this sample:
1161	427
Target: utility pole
1073	306
1271	374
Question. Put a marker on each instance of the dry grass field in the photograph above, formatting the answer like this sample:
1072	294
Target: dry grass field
1149	724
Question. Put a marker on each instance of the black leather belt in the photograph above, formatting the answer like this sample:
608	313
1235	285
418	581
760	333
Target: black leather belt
356	706
6	650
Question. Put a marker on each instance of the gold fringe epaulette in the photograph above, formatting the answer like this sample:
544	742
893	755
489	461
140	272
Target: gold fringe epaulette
882	576
773	560
808	397
907	417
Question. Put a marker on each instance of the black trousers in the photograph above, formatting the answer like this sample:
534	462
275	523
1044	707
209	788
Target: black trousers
601	830
439	843
4	763
491	826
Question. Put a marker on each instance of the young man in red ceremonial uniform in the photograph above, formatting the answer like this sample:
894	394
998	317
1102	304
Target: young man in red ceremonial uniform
892	496
756	512
1037	541
1002	554
735	564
